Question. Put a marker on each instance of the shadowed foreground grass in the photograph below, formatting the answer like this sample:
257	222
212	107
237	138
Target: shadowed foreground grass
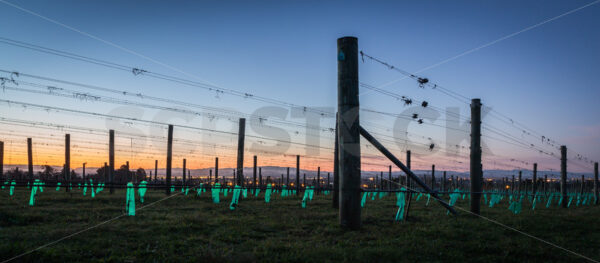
190	228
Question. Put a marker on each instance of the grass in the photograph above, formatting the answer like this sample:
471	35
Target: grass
190	228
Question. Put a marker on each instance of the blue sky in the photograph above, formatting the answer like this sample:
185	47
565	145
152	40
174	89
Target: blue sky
544	78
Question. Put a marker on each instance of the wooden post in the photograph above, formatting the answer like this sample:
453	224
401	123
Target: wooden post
184	169
349	132
433	177
475	169
155	169
287	182
240	153
83	172
408	186
68	161
30	161
297	174
563	174
596	192
534	186
2	161
336	169
128	171
328	181
111	160
254	175
216	170
260	180
318	186
169	159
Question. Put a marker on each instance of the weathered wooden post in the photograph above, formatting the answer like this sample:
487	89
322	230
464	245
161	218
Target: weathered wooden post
534	186
68	161
155	170
254	174
169	159
349	132
30	161
475	169
596	192
563	174
328	181
433	177
240	153
184	170
336	169
2	161
287	182
318	186
297	174
408	185
260	180
128	172
520	182
216	170
83	172
111	160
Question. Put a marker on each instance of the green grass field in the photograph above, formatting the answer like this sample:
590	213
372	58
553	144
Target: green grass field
190	228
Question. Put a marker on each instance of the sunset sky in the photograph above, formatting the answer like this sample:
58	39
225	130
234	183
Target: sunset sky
540	83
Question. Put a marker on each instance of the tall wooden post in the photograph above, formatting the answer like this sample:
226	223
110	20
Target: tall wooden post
30	161
534	186
512	186
563	174
596	192
287	182
184	170
155	169
336	169
328	181
111	160
68	161
260	180
408	185
83	172
582	186
318	186
240	153
2	161
128	171
349	132
254	174
475	169
169	159
297	174
433	177
216	170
